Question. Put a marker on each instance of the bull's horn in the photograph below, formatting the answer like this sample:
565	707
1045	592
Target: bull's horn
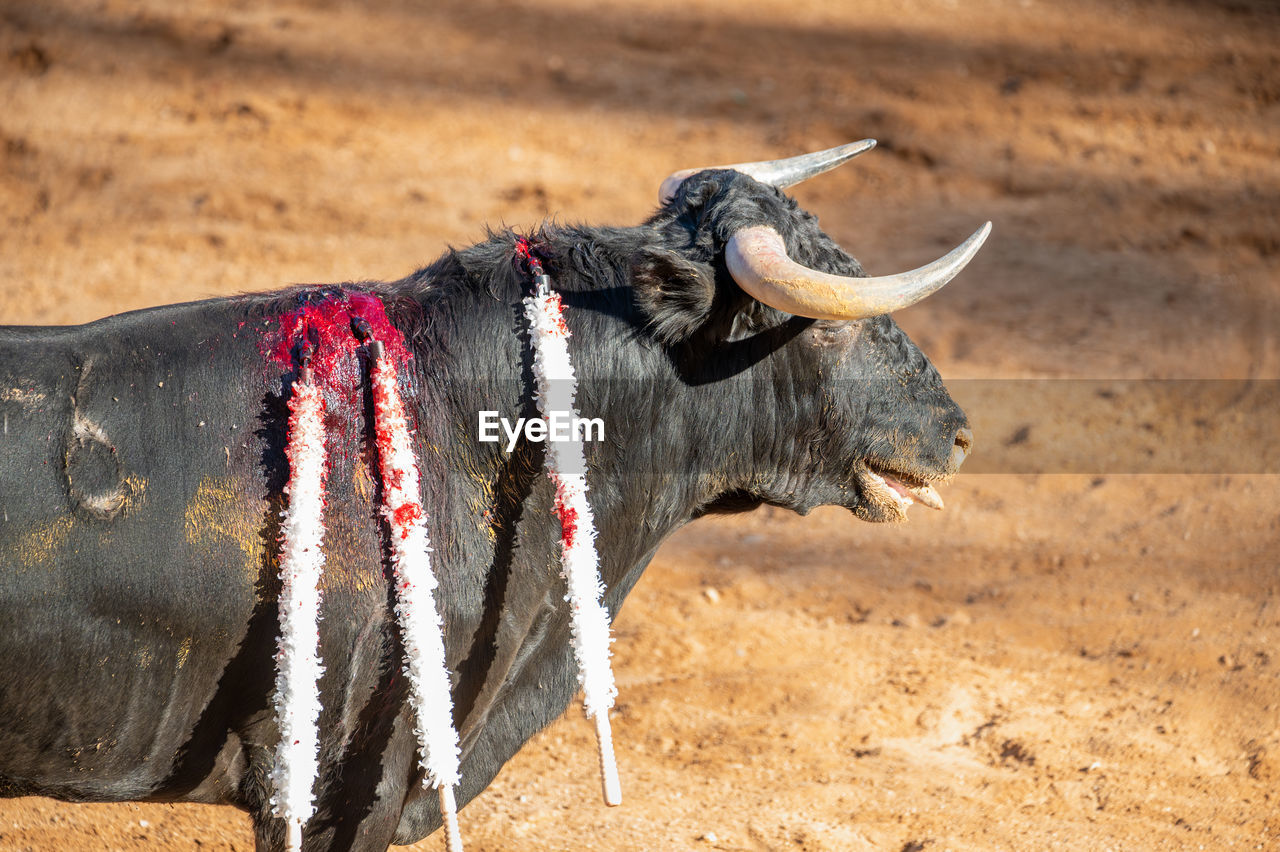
757	260
779	173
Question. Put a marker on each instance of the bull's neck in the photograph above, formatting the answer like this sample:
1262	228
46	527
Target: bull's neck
679	436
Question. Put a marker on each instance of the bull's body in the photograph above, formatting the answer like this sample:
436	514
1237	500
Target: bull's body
141	491
142	474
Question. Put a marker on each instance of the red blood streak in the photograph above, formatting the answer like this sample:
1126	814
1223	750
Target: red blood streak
295	421
568	517
389	420
557	315
326	323
405	515
568	526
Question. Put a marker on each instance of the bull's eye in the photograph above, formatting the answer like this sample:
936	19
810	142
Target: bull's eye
833	333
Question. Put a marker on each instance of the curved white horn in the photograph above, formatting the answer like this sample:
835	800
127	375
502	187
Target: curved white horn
780	173
757	260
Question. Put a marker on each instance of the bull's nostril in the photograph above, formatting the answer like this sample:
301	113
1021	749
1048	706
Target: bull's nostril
964	440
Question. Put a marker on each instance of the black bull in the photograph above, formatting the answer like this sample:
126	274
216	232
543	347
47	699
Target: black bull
141	476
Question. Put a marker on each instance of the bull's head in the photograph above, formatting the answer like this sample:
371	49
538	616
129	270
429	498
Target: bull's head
845	404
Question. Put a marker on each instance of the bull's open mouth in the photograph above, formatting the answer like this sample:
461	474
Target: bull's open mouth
897	491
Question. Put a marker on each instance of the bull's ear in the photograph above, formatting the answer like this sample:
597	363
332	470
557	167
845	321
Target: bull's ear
675	293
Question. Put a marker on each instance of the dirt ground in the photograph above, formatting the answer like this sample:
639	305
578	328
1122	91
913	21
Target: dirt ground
1059	660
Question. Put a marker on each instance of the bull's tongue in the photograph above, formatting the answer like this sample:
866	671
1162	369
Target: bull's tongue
926	495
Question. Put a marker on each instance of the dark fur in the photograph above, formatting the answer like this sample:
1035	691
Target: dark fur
137	632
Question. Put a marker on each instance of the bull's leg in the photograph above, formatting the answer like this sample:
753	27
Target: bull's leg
367	764
360	800
372	833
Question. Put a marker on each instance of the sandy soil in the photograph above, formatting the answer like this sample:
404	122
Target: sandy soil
1080	660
